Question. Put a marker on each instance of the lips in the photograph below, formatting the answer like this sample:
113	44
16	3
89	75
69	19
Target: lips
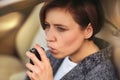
51	49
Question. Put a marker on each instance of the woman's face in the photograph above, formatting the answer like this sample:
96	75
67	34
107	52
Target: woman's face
64	36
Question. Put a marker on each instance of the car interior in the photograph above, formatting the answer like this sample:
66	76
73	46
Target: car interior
20	29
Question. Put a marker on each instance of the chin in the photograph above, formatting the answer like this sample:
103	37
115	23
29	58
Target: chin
58	56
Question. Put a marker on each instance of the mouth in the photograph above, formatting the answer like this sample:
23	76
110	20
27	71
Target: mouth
51	49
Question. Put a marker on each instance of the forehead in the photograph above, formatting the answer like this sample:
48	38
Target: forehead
59	15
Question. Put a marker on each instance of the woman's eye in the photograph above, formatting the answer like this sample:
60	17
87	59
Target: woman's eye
61	29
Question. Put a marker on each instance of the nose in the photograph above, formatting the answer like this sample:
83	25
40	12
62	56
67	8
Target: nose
50	35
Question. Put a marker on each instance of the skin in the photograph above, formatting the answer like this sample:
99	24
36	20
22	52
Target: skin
64	38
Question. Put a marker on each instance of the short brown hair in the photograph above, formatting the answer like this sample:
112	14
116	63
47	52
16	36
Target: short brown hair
82	11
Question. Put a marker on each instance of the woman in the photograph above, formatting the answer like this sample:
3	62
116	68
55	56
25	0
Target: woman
74	53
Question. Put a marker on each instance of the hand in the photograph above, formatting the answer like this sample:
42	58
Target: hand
41	70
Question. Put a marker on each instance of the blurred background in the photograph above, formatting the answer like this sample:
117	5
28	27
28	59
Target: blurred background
20	29
19	25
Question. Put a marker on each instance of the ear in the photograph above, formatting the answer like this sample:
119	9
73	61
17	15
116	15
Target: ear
88	31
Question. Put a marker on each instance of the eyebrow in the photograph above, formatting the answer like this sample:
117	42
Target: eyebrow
57	24
61	25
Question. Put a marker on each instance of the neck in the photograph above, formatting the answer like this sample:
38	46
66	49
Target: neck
87	48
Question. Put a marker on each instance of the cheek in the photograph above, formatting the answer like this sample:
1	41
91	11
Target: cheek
72	41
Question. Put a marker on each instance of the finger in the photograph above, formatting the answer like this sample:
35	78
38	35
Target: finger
29	74
41	52
34	59
32	75
30	67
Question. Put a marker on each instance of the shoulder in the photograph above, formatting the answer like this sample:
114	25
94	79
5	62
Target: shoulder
104	71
